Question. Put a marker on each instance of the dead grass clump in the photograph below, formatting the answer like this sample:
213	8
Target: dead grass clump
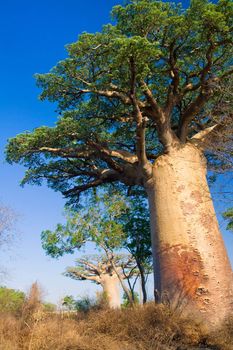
149	327
32	304
9	332
223	337
54	334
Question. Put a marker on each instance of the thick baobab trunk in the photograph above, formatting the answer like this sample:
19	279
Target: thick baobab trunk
111	289
191	263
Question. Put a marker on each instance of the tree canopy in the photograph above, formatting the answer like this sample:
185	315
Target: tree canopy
93	267
11	300
139	87
136	227
110	223
98	224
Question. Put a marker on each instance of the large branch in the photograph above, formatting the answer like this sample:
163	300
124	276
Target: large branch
204	139
162	119
69	152
107	93
90	266
209	58
157	114
204	72
191	111
66	152
105	155
140	123
120	154
173	95
104	176
76	190
77	92
196	106
73	273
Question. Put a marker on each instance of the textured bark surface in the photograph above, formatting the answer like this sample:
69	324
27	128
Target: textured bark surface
191	264
111	289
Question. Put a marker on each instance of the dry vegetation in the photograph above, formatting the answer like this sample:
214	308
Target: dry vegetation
141	328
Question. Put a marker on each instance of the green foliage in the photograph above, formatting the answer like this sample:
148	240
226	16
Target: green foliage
83	304
178	53
126	303
98	224
136	225
228	215
11	300
69	302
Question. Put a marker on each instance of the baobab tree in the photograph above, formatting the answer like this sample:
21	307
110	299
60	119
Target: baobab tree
101	224
110	222
109	271
134	104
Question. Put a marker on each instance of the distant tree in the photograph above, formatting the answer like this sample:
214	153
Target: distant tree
98	223
108	270
111	222
7	233
136	226
85	304
69	302
7	221
134	107
101	225
11	300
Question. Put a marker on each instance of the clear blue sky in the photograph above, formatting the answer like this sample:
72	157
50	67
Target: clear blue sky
33	35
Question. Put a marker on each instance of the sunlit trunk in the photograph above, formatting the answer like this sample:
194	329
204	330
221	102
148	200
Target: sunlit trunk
111	290
191	264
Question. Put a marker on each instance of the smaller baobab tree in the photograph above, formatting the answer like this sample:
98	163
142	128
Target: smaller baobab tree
100	224
109	271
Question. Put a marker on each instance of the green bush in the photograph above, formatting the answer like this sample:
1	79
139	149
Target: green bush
11	300
126	302
49	307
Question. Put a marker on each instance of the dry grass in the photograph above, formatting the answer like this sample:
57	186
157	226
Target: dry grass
141	328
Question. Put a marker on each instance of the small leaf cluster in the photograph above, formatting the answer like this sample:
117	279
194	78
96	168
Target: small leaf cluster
228	215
